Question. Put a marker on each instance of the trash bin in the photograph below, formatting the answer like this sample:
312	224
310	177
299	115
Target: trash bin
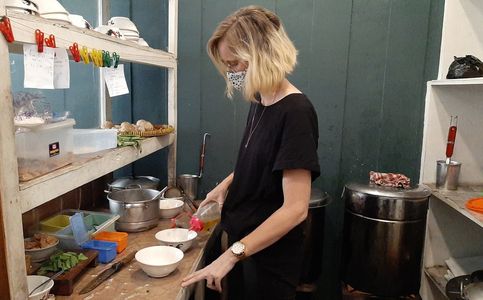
384	231
313	244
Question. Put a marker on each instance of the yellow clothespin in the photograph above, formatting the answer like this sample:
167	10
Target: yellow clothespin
96	56
84	53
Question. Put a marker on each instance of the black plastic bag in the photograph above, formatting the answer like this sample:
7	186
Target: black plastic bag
465	67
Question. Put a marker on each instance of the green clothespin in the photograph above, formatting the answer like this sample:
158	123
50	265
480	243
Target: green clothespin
106	58
115	58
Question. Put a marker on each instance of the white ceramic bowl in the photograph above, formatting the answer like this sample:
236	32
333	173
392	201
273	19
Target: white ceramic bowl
22	5
33	281
180	238
42	254
50	6
129	32
122	23
21	10
170	207
159	261
79	21
142	42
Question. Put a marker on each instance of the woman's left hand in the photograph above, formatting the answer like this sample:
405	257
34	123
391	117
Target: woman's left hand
214	272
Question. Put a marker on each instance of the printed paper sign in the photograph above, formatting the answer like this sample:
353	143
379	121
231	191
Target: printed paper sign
61	69
115	81
38	67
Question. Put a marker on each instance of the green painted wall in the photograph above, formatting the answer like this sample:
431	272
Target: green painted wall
363	63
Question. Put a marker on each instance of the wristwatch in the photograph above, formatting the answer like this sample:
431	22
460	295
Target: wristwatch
238	249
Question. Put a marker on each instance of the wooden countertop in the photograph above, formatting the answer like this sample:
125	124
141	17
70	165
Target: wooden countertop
132	283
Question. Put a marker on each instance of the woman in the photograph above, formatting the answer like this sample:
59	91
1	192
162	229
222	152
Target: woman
267	194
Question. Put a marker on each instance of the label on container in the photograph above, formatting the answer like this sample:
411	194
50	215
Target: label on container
54	149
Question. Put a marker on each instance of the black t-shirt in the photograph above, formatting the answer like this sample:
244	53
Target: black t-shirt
283	136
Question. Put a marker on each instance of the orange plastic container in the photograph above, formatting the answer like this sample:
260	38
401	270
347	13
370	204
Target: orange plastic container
118	237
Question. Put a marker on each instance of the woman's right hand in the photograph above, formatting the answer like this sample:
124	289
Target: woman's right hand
217	194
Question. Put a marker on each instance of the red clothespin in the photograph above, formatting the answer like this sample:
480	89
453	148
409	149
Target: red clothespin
50	42
39	38
6	29
74	49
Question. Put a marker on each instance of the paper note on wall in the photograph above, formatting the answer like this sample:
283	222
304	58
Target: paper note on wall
115	81
38	67
61	69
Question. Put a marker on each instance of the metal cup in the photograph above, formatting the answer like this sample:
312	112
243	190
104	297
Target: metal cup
447	174
189	184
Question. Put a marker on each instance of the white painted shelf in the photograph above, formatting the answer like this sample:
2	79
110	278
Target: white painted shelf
457	200
457	82
436	275
24	26
42	189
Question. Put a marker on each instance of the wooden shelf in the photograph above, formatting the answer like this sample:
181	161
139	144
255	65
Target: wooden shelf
452	82
24	26
458	198
42	189
436	275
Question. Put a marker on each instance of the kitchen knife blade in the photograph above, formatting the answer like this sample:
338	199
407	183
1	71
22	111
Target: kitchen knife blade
101	277
451	139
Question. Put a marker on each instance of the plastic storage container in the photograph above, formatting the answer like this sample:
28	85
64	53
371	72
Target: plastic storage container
94	222
120	238
55	223
107	250
93	140
43	149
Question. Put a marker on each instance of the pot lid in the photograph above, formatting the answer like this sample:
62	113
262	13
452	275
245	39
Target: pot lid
135	181
319	198
414	192
387	203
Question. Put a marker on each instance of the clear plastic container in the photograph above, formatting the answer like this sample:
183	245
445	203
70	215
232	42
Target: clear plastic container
93	140
44	148
94	223
206	217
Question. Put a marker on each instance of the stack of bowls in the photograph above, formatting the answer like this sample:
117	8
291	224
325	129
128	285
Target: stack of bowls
22	6
128	29
53	10
79	21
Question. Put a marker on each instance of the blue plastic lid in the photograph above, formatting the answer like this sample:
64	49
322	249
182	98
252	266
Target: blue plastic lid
79	228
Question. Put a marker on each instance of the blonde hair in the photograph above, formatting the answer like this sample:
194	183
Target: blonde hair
256	35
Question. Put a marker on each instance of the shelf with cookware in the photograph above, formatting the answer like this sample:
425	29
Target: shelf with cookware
454	232
17	198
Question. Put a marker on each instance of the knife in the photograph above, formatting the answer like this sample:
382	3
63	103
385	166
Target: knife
101	277
451	139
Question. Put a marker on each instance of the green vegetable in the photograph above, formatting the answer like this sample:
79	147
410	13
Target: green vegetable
129	140
61	261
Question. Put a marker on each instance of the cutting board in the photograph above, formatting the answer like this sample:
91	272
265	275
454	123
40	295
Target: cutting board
64	284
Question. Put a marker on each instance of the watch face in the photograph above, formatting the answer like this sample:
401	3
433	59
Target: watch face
238	248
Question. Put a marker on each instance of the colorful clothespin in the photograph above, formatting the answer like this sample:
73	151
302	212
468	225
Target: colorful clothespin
74	50
96	56
50	42
84	53
115	58
106	58
6	29
39	38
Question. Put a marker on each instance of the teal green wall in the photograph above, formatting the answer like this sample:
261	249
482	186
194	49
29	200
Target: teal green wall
364	65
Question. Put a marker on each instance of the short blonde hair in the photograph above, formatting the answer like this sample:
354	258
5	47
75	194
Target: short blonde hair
256	35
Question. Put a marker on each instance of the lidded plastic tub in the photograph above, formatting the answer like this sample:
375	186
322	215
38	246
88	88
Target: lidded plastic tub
55	223
44	148
93	140
120	238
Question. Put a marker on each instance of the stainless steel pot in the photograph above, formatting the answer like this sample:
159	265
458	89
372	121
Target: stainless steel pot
138	208
135	182
384	231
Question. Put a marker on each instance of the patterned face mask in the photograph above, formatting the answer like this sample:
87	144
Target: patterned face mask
236	79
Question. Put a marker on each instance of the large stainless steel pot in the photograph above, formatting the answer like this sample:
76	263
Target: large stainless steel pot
138	208
384	231
135	182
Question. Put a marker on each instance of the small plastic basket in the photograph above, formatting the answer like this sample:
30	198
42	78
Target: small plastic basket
107	250
120	238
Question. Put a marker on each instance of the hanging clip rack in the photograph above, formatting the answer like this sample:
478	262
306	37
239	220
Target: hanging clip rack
6	29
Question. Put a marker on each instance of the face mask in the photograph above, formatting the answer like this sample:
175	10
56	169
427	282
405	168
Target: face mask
236	79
